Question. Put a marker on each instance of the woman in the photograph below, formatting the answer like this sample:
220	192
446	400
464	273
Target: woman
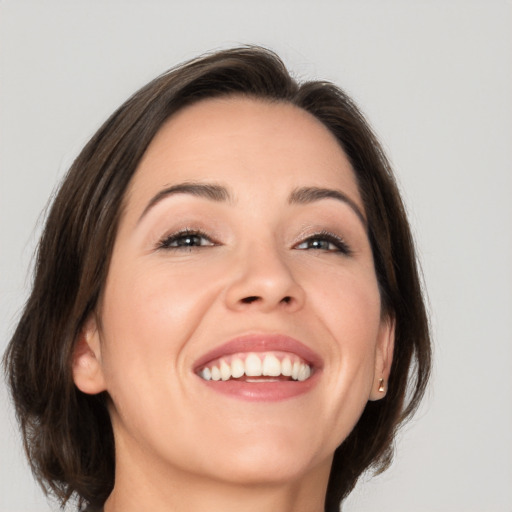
226	311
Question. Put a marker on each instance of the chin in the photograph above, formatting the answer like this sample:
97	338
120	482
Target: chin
264	470
267	458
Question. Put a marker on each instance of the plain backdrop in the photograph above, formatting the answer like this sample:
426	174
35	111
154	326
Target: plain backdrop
435	80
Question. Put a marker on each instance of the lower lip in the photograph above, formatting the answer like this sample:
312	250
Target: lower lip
262	391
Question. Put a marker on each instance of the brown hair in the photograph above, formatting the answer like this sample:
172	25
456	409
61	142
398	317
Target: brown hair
67	434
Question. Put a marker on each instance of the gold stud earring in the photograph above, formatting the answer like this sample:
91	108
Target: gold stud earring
381	386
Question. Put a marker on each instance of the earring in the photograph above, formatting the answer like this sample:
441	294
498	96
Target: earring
381	386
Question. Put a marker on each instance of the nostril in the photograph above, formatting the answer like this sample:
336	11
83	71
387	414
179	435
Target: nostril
250	300
255	298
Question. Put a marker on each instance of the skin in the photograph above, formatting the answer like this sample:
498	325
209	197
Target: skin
179	445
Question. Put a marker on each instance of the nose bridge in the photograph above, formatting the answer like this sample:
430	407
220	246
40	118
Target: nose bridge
263	278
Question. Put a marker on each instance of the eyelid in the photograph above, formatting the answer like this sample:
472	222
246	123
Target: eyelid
165	241
339	241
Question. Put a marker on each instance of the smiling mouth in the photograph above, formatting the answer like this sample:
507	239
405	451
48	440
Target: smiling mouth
257	367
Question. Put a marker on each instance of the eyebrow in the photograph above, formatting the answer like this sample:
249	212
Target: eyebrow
219	193
213	192
306	195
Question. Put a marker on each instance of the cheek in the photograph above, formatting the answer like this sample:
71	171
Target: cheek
349	302
149	319
153	313
349	307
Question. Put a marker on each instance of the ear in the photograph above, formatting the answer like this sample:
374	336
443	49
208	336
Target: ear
383	358
87	367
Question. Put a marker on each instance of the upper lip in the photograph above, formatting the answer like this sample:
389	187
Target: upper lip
261	343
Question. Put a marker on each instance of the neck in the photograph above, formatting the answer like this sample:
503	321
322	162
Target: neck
152	487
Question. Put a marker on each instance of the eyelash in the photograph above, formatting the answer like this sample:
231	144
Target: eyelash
183	235
187	234
325	236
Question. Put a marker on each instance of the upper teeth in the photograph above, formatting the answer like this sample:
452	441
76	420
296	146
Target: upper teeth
256	365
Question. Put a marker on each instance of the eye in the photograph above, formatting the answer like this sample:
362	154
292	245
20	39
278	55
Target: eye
186	239
327	242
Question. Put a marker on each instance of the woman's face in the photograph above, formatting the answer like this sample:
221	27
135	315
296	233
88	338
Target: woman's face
241	332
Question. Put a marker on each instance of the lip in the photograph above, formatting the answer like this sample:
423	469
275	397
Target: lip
262	391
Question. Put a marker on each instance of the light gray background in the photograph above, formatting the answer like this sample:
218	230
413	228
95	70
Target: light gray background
435	79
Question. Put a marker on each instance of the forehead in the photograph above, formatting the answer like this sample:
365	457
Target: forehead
244	142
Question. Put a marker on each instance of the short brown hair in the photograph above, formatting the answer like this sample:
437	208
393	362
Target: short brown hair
67	434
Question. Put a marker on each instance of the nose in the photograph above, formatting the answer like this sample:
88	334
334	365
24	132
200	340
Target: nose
263	280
